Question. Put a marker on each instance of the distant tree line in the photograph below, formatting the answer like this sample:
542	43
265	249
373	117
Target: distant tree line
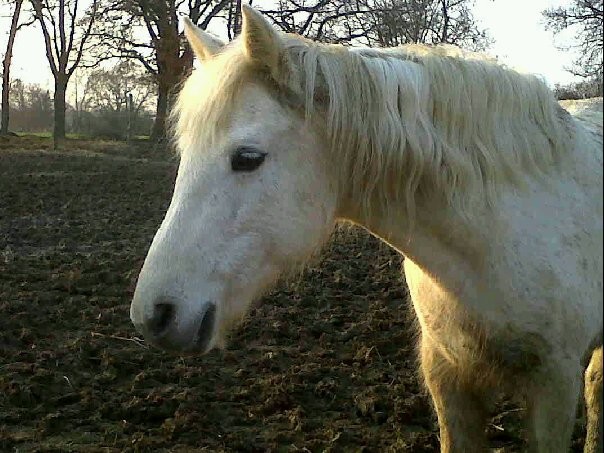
114	103
585	18
589	88
30	107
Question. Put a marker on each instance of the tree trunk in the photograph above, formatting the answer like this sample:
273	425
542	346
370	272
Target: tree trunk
172	67
170	75
445	31
130	111
158	132
59	108
5	94
6	68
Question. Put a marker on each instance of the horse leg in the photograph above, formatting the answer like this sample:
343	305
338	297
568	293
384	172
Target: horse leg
461	409
593	403
552	405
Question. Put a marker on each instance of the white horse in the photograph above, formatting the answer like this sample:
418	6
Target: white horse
491	191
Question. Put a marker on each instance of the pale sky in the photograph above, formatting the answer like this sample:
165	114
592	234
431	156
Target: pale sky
521	41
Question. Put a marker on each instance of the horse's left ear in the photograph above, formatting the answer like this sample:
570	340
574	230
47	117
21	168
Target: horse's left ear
261	41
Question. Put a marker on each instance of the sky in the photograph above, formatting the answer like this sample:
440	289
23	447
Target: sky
521	41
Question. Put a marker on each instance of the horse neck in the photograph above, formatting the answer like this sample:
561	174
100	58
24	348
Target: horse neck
437	238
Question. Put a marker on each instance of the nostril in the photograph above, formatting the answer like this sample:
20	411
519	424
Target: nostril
163	314
206	328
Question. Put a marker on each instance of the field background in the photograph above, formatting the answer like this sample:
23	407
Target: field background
326	362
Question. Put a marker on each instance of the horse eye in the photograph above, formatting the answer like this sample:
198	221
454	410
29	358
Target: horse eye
247	159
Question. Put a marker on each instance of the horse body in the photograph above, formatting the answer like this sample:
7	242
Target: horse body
491	191
521	317
509	302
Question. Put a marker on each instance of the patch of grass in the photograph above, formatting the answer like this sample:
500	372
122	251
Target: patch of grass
74	136
35	134
138	148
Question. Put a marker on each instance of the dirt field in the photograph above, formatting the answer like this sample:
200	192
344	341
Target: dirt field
325	363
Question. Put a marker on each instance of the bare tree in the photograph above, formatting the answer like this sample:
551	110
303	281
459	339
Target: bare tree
382	22
234	18
165	54
6	67
65	30
586	17
321	20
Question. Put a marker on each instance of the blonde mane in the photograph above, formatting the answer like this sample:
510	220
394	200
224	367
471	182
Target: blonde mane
403	122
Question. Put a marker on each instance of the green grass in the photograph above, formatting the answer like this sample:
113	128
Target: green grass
49	135
72	136
35	134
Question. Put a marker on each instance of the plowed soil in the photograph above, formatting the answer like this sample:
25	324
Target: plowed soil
326	362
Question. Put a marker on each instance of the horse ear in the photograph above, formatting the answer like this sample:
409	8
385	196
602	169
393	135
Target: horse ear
261	41
204	45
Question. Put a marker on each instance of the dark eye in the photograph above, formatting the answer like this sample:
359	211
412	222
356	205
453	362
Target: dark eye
247	159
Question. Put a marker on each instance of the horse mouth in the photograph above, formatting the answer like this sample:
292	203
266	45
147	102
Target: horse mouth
205	332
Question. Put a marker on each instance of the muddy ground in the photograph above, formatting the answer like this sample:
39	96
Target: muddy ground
326	362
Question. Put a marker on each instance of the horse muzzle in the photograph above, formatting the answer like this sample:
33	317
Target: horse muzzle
168	327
